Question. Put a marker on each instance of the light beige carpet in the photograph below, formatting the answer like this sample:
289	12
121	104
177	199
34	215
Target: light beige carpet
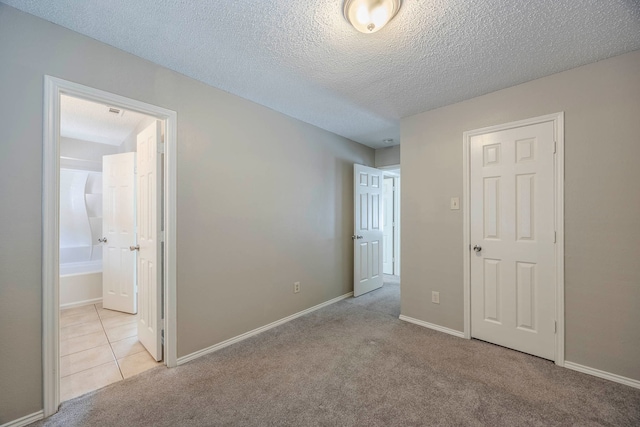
355	364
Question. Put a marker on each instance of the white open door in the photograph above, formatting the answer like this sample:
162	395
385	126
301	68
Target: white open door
368	248
513	284
118	225
149	239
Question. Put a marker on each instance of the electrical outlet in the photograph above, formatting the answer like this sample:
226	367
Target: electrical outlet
296	287
435	297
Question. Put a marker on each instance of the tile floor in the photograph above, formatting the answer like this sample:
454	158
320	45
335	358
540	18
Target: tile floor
98	347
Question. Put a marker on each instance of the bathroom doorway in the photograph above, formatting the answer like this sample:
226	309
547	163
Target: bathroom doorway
102	165
99	233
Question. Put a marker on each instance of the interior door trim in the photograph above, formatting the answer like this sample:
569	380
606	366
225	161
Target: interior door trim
558	121
53	88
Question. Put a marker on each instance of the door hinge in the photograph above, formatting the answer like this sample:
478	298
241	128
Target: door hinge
161	148
161	236
555	147
555	327
555	237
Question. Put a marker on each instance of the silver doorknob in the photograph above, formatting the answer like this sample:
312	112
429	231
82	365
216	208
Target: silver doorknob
477	248
103	240
354	237
134	248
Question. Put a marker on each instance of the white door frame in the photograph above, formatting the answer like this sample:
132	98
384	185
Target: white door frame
53	88
558	121
396	214
397	195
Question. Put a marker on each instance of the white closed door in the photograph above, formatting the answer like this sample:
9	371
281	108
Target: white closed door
149	235
388	224
368	229
512	215
118	225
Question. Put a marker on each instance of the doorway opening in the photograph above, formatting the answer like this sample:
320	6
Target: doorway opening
376	212
391	241
108	239
99	206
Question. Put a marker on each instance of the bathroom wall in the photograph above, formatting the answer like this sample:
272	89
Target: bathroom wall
84	155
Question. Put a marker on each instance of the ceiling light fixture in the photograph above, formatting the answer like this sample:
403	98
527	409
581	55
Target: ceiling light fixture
387	141
368	16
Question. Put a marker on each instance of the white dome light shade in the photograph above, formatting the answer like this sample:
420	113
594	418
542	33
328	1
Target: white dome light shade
368	16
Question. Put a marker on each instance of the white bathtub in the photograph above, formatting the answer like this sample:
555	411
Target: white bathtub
78	268
80	281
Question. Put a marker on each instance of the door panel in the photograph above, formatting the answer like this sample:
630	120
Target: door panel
492	293
525	204
512	221
118	225
492	208
526	295
368	235
149	165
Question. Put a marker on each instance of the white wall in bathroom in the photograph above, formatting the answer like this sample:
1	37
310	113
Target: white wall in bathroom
83	155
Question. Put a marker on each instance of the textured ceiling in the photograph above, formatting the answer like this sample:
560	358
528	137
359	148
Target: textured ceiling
301	57
90	121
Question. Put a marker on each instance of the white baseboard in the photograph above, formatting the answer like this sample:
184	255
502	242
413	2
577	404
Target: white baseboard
79	304
184	359
432	326
602	374
26	420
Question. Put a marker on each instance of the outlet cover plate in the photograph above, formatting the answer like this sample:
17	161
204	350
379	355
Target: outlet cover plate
435	297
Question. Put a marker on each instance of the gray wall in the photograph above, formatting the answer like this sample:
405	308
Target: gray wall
388	156
263	200
601	102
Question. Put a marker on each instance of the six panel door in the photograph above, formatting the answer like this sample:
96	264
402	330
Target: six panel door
368	230
149	166
512	216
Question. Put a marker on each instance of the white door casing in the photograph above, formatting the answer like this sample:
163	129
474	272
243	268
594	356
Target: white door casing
368	229
53	88
512	238
118	225
149	167
388	226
